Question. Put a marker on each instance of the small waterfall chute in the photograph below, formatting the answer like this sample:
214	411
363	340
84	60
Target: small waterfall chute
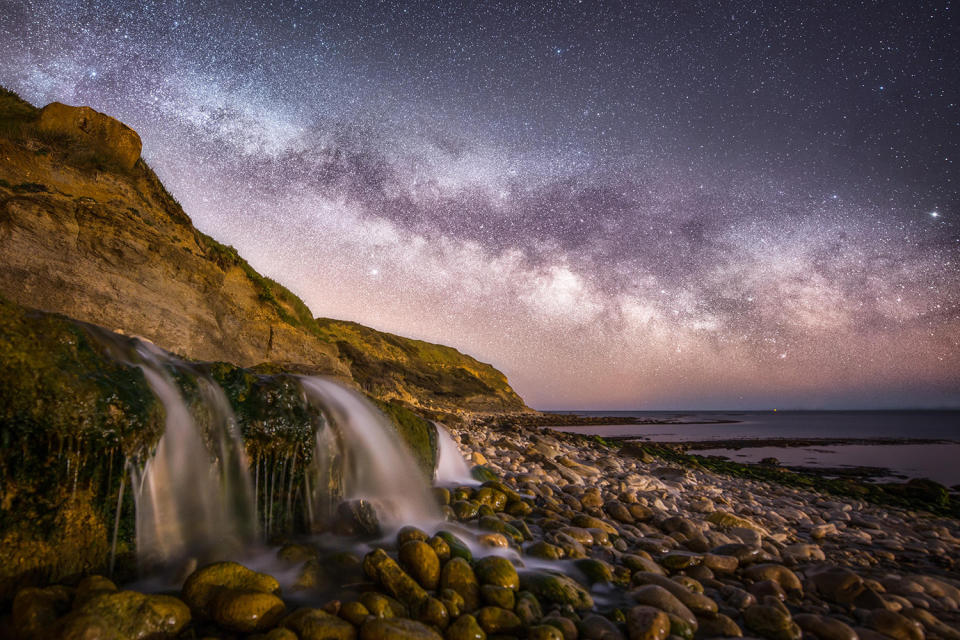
193	495
452	469
376	464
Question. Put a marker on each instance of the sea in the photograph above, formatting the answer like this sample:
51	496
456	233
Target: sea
939	462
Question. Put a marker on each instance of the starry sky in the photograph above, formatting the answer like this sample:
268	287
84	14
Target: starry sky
621	205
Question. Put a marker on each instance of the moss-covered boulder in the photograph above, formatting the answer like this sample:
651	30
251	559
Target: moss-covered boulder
459	576
203	584
317	624
385	570
498	571
126	615
556	589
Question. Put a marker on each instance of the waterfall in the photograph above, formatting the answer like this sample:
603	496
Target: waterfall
377	465
452	469
191	498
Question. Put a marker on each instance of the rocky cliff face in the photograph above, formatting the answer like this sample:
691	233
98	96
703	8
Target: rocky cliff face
87	230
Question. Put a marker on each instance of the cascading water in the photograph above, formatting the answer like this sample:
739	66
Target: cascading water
452	469
377	466
191	499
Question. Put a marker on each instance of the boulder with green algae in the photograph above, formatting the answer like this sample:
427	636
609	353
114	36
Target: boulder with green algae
204	583
496	620
354	612
245	611
459	576
528	608
726	520
383	606
440	547
385	570
556	589
397	629
483	474
125	615
433	612
421	562
545	632
317	624
498	596
465	627
458	548
453	602
497	570
496	525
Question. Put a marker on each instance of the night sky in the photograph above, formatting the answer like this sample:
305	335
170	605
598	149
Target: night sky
620	205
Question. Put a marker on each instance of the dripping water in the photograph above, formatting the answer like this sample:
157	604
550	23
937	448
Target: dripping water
452	469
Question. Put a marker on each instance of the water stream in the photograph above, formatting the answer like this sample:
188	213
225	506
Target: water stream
452	469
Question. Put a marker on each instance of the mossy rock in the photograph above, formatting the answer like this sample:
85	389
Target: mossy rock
317	624
421	562
459	576
458	548
126	615
483	474
397	629
498	571
556	589
245	611
465	627
203	584
385	570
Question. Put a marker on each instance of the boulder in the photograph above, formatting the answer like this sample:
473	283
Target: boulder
95	128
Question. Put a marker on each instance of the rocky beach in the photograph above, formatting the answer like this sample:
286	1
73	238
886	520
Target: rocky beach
565	538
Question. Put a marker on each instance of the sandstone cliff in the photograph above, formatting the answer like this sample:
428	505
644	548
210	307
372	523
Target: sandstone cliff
87	230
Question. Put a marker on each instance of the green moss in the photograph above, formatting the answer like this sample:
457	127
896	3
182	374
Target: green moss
418	433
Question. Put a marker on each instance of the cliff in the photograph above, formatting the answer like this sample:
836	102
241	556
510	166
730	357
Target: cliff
89	231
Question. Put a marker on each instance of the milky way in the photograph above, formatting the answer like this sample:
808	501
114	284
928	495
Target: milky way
656	204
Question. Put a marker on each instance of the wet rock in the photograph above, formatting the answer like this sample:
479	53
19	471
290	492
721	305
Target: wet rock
931	623
767	588
498	620
694	602
544	632
433	612
527	608
596	627
357	518
354	612
619	512
465	627
497	570
823	627
126	615
397	629
409	533
383	606
440	547
680	560
777	573
91	587
595	571
556	589
656	596
35	610
245	611
465	509
838	584
726	520
771	622
459	576
202	584
458	549
892	624
545	550
498	596
421	562
317	624
384	569
718	626
565	625
647	623
453	602
641	563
